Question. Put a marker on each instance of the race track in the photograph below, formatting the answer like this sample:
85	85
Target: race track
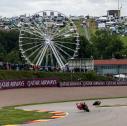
99	116
40	95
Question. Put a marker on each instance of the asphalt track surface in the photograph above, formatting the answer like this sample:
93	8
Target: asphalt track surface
98	116
39	95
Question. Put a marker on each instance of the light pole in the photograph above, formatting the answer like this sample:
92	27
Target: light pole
118	4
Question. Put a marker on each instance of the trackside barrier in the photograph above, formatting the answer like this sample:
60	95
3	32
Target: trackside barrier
50	82
10	84
93	83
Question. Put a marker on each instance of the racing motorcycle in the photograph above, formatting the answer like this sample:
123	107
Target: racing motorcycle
82	106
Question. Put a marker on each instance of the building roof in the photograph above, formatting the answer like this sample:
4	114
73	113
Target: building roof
111	62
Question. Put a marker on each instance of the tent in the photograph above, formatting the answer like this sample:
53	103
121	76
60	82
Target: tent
120	76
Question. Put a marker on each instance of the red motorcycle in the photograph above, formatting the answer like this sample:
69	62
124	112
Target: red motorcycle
82	106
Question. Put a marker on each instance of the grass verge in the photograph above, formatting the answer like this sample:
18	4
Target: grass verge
12	116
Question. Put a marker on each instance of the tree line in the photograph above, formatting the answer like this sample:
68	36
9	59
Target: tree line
103	45
9	51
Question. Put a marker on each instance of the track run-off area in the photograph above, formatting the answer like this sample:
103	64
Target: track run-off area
102	116
115	115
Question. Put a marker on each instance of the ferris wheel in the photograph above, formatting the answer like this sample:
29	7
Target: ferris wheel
48	38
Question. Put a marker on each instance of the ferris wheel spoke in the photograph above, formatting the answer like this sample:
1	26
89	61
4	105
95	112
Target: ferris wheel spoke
61	56
58	34
36	31
65	47
65	28
31	38
27	31
32	48
63	35
60	62
58	31
54	28
39	28
25	41
43	27
35	51
42	55
38	54
49	30
33	29
51	56
63	51
31	43
65	42
47	57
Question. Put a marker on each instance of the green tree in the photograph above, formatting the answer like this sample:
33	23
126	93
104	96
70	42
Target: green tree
8	45
85	50
106	45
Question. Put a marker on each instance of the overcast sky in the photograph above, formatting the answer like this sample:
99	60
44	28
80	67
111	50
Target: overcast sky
10	8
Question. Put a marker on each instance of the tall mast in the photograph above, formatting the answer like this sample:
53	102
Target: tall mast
118	4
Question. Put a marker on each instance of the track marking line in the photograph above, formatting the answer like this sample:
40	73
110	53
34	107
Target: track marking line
56	112
10	125
42	111
35	121
55	117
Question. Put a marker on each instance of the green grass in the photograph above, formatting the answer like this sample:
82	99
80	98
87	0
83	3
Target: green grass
11	116
62	76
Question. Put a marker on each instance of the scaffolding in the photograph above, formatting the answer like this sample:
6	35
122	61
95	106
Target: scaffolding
82	65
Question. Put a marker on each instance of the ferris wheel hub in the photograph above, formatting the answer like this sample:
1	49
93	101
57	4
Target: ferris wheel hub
47	41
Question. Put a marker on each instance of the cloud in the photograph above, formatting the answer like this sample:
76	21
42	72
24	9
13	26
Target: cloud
69	7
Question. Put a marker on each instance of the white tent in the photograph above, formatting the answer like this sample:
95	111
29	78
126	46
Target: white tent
110	23
120	76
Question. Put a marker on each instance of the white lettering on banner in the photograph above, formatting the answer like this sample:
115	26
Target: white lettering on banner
64	84
98	83
87	83
4	84
121	83
53	83
48	82
33	83
41	82
17	84
27	83
75	84
11	84
93	83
